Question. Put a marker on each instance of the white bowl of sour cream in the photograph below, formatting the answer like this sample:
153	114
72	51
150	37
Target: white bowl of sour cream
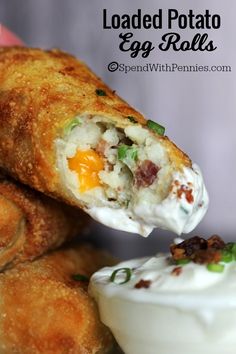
155	306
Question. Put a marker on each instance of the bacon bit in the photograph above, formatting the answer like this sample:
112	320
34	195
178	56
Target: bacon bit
216	242
206	256
177	271
188	193
173	186
101	147
199	250
178	253
188	247
146	174
109	166
143	284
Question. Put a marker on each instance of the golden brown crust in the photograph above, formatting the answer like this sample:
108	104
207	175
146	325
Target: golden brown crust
43	310
40	92
31	223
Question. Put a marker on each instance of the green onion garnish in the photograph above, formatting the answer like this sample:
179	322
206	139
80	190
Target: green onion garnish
127	271
226	256
80	277
229	246
127	203
127	152
234	248
100	92
215	267
132	119
182	261
184	210
71	125
159	129
122	150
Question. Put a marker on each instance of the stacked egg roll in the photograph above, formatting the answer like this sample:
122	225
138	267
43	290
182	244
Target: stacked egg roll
32	223
66	134
45	307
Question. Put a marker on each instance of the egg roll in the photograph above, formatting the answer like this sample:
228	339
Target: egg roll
66	134
45	307
32	223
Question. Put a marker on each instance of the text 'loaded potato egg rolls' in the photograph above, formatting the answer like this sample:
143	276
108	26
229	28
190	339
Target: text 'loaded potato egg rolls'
31	223
45	307
65	133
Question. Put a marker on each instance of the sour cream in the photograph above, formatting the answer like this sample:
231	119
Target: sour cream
191	310
175	213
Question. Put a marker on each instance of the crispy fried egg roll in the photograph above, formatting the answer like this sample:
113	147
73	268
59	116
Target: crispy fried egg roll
32	223
44	309
65	133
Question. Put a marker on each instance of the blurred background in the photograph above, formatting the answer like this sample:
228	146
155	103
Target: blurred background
198	109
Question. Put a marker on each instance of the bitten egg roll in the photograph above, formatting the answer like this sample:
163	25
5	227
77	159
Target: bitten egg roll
45	307
32	223
65	133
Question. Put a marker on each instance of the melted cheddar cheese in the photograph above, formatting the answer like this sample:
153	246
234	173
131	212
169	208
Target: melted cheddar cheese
87	164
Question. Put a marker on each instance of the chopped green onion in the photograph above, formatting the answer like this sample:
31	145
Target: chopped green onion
127	271
71	125
215	267
132	119
127	152
184	210
100	92
127	203
226	256
80	277
229	246
122	150
234	248
159	129
182	261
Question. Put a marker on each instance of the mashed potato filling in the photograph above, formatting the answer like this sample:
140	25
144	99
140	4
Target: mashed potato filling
118	167
124	177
